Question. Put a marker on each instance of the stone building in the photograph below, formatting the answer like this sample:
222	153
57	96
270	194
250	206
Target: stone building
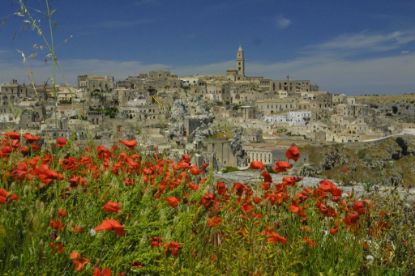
275	106
295	85
238	73
220	153
91	83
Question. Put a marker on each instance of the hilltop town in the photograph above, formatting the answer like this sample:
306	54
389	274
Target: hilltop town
230	119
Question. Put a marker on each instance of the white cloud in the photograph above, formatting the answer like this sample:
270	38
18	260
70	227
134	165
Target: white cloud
282	22
365	42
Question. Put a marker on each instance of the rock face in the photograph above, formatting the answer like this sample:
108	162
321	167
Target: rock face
404	149
333	159
236	146
253	178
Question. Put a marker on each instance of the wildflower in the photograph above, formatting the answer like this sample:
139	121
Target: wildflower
78	261
109	225
186	158
370	259
105	272
257	165
214	221
267	177
61	142
77	229
4	195
173	201
57	225
265	186
173	248
292	153
207	200
194	170
31	138
310	242
327	185
256	200
294	208
57	247
129	143
221	188
112	207
193	186
62	212
92	232
351	218
156	242
247	208
281	166
333	231
12	135
274	237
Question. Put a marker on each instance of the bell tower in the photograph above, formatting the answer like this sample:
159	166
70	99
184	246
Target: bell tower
240	63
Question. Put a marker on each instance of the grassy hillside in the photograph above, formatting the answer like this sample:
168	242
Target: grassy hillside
366	162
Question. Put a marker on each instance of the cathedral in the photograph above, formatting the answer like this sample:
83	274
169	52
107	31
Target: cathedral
238	73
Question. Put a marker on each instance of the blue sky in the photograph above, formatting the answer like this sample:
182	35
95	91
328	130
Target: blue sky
352	46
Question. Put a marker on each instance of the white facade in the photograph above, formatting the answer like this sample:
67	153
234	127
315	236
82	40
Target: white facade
275	119
298	118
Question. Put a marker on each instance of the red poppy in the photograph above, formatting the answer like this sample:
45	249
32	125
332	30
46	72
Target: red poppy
128	182
31	138
62	212
257	200
193	186
247	207
292	153
12	135
221	188
294	208
274	237
57	247
4	195
207	200
77	229
310	242
105	272
195	170
281	166
257	165
57	225
61	142
129	143
112	207
78	261
186	158
351	218
173	248
109	225
173	201
359	206
327	185
333	231
267	177
214	221
156	242
265	186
